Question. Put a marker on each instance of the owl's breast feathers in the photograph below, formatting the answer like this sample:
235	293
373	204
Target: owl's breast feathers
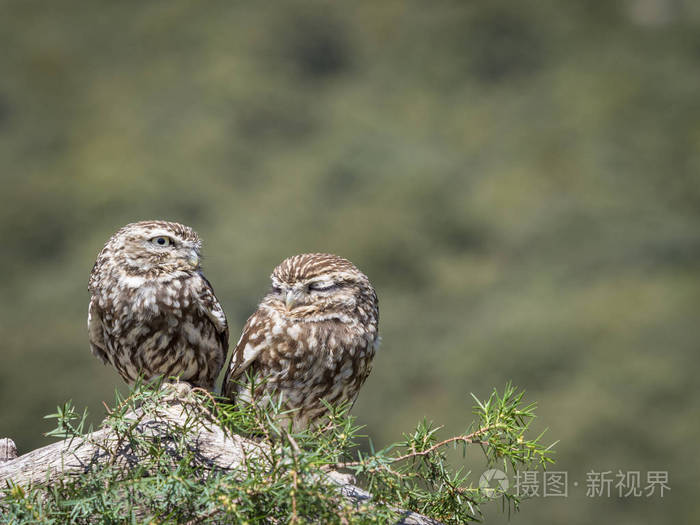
303	361
167	325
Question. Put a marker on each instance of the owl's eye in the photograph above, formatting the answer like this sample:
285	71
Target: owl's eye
322	286
161	240
276	289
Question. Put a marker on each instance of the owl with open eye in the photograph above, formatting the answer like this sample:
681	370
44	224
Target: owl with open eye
312	338
152	312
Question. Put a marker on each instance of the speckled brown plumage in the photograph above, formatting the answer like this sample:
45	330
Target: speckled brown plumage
312	337
152	312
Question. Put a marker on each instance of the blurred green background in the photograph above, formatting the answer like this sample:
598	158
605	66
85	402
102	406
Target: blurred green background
520	180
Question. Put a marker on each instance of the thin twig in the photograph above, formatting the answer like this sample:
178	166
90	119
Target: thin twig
469	439
294	518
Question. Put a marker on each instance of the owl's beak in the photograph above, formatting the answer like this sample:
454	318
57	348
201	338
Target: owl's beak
291	299
193	259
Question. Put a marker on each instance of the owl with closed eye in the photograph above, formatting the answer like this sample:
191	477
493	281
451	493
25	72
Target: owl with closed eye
312	338
152	312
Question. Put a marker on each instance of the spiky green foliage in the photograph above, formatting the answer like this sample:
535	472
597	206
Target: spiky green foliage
285	480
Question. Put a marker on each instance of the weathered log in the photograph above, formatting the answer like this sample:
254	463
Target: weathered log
8	450
213	448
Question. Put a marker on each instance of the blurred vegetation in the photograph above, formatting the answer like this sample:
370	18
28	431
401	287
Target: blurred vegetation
520	180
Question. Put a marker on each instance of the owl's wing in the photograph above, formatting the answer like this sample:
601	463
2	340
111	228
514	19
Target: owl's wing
247	349
96	331
211	308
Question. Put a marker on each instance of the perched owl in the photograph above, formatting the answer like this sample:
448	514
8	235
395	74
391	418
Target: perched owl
152	312
312	337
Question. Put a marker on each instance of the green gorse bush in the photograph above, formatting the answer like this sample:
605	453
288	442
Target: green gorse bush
144	476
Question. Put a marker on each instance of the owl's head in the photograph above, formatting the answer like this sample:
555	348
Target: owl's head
154	247
321	286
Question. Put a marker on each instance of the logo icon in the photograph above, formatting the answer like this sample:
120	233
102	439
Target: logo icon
493	483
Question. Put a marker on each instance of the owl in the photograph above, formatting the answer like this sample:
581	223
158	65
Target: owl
312	338
152	312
